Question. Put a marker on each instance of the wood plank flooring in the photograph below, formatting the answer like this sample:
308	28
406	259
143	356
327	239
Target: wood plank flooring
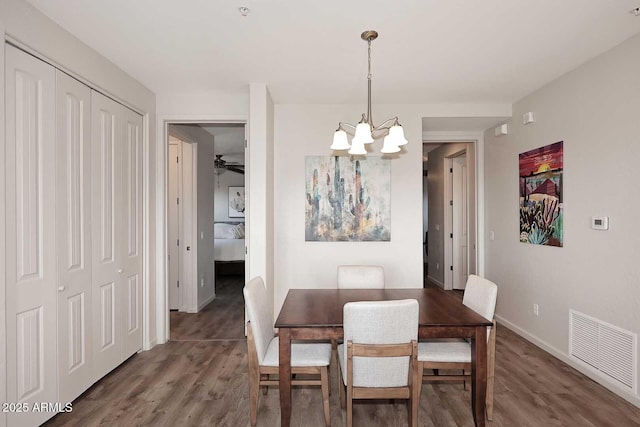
205	383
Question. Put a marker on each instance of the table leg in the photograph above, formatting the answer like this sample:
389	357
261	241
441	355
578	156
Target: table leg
285	376
479	375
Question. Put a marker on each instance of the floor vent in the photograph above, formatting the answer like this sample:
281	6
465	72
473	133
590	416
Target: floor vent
607	348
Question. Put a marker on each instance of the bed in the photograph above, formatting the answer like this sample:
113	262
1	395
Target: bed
228	242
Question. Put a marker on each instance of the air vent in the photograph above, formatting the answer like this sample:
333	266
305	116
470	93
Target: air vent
605	347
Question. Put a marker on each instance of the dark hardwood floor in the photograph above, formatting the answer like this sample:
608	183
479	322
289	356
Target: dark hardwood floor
194	382
223	318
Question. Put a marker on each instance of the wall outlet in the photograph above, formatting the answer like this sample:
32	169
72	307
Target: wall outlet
535	310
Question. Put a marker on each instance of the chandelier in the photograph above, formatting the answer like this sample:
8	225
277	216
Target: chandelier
366	132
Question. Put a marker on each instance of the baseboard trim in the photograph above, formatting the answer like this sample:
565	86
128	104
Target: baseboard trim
437	282
204	303
584	369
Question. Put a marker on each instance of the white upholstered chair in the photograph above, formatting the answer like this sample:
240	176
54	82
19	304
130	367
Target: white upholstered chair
360	276
379	357
263	350
480	295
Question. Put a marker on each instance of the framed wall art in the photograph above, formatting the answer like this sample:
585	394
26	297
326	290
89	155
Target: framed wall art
541	195
347	199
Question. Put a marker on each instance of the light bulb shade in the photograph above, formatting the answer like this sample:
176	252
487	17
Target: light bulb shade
389	146
357	148
340	141
396	133
363	134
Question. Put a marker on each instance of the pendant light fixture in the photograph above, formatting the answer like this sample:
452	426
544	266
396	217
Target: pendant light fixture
366	132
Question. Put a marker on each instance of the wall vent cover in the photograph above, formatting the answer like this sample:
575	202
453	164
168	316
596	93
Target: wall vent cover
605	347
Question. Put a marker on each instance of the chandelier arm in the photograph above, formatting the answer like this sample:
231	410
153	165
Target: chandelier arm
386	125
369	117
347	127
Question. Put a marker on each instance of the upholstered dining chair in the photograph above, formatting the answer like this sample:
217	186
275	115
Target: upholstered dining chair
360	276
308	358
455	354
379	357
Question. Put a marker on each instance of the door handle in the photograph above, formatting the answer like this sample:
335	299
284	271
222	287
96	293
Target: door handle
188	248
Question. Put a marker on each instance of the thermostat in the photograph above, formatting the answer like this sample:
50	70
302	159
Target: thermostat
600	222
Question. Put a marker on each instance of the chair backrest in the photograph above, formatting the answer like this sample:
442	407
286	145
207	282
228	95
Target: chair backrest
360	277
380	322
480	295
255	296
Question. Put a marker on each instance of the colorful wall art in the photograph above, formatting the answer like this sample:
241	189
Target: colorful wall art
347	199
541	195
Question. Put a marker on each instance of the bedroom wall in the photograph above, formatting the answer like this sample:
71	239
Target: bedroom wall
594	110
221	186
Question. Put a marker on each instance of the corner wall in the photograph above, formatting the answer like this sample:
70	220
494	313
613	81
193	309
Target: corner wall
595	110
304	130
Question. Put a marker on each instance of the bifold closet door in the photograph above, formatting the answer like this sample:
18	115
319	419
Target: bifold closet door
30	235
116	153
131	244
107	229
73	236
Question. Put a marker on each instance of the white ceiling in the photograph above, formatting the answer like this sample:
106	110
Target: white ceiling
429	51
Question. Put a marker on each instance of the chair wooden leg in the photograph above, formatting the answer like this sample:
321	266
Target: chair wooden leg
491	367
324	380
464	381
349	407
341	388
254	391
265	388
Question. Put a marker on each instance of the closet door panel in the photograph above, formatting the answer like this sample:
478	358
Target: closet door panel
73	218
106	205
131	246
30	234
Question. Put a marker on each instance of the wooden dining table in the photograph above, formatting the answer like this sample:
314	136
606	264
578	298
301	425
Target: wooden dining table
316	314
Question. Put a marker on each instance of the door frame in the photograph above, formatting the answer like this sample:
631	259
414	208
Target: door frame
162	224
476	138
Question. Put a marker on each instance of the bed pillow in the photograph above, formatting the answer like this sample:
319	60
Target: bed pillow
223	231
238	231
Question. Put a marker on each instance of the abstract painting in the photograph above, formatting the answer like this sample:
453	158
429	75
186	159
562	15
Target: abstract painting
541	195
347	199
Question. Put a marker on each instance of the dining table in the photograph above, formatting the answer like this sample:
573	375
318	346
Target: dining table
317	314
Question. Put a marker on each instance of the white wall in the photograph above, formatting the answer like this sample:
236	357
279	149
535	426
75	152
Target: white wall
302	130
595	110
259	188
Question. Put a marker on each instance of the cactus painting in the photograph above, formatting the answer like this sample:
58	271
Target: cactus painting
541	195
347	199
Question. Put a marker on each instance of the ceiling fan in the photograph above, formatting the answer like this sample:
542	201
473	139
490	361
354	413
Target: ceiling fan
220	165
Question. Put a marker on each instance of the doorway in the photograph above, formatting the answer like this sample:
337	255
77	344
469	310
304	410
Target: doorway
449	213
201	157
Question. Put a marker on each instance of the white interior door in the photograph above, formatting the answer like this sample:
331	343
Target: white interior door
73	235
129	237
106	201
175	302
460	222
30	234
